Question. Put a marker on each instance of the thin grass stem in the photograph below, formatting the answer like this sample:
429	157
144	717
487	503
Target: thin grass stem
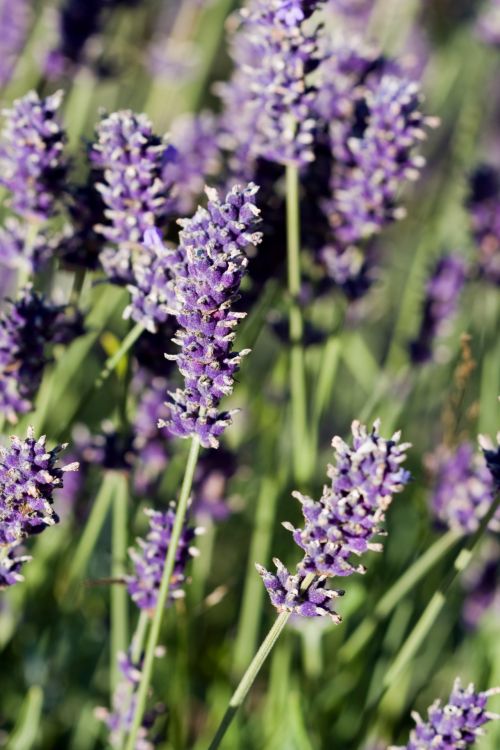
119	595
112	362
154	633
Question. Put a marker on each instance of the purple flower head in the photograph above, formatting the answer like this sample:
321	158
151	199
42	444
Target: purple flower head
152	289
149	560
150	443
440	305
463	488
108	449
131	159
33	165
492	457
198	159
15	17
269	97
350	511
214	243
455	726
484	208
17	251
213	472
27	326
119	720
29	474
10	565
488	24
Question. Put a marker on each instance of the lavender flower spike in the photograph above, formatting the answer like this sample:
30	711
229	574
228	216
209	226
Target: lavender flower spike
131	159
455	726
15	17
214	243
149	560
343	523
33	165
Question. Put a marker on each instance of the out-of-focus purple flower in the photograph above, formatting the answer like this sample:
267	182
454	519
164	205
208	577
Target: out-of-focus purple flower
172	60
481	585
268	99
488	24
198	159
29	474
149	560
214	243
10	565
131	159
152	289
455	726
33	165
119	719
492	457
442	294
347	517
484	208
80	245
15	17
27	326
463	488
150	443
18	251
213	471
108	449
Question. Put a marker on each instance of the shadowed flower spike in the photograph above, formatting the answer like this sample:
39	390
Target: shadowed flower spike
347	517
29	474
484	208
463	488
33	165
131	159
440	305
492	456
455	726
214	243
152	290
149	560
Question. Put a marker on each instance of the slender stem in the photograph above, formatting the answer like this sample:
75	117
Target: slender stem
436	604
253	595
119	596
91	532
78	284
396	593
154	633
113	361
248	678
135	657
296	323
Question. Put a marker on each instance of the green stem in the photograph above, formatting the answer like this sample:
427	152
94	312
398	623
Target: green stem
78	284
119	595
248	678
253	595
91	532
113	361
396	593
436	604
154	633
296	323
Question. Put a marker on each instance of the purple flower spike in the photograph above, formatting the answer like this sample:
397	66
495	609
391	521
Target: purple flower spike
10	565
484	208
33	165
131	159
14	20
347	517
213	243
149	560
463	488
27	326
440	305
288	593
29	474
455	726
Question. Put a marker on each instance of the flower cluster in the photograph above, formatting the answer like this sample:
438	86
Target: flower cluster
463	488
455	726
149	559
29	474
268	100
33	165
213	243
14	20
119	719
131	160
442	295
484	208
27	326
343	522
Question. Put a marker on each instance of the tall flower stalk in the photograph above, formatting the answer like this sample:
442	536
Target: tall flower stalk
213	245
